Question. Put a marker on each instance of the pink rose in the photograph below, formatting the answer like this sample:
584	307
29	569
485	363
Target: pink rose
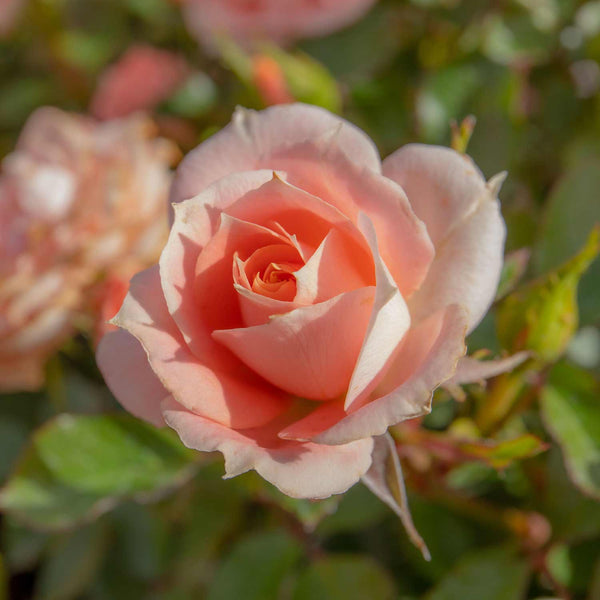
280	21
9	13
308	297
140	80
78	200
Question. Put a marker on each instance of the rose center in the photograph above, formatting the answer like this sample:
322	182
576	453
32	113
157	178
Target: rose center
269	271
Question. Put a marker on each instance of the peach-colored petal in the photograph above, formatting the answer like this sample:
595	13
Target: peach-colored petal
215	298
257	309
281	206
428	358
442	186
389	322
331	270
472	370
252	137
196	221
234	396
462	215
300	470
310	351
128	374
323	169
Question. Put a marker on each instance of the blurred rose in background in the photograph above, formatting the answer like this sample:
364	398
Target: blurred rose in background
142	78
281	21
80	202
9	13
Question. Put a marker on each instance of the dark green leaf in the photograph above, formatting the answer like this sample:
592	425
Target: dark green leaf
345	577
572	414
72	563
494	574
256	568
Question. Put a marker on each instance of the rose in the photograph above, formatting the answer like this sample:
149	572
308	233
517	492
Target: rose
306	299
78	200
9	14
280	21
140	80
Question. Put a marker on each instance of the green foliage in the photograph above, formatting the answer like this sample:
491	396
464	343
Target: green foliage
256	568
571	411
344	578
543	316
77	467
496	574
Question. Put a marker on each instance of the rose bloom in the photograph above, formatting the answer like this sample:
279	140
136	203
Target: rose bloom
140	80
308	297
280	21
9	13
77	199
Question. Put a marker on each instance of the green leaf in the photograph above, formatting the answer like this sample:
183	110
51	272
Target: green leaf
195	97
571	412
78	466
342	577
494	574
543	315
109	455
308	80
72	563
256	568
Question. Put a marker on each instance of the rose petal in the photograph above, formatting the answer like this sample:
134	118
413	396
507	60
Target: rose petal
231	395
128	374
252	137
462	215
300	470
332	269
257	309
323	170
389	322
310	351
214	297
196	221
428	358
277	204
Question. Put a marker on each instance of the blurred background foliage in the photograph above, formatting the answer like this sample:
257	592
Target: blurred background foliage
504	482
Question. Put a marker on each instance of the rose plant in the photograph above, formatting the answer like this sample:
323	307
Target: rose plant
308	297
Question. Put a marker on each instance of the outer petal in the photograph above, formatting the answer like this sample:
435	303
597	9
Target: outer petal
252	137
462	215
233	396
300	470
128	374
427	359
310	351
